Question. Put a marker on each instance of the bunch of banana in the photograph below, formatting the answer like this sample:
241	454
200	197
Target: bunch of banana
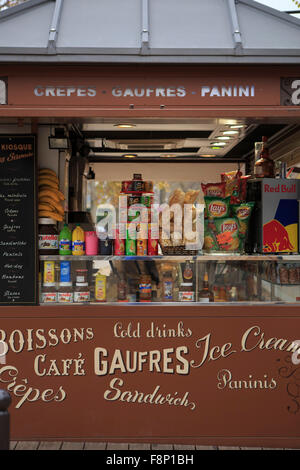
50	197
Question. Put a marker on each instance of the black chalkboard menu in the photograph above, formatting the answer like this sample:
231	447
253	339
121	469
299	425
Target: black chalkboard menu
18	221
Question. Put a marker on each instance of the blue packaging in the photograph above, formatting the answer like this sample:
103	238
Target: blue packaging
65	271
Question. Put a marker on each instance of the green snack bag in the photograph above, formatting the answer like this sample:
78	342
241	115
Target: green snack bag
227	234
243	213
217	207
65	241
210	242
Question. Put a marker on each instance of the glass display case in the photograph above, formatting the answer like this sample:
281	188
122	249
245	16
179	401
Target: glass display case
167	280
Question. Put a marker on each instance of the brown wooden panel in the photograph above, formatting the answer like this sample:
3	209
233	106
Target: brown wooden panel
195	375
192	90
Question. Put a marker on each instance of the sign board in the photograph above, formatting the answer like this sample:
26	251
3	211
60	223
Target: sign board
224	375
150	90
18	220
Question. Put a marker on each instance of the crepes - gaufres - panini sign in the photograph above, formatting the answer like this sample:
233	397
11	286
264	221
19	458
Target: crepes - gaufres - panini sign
160	86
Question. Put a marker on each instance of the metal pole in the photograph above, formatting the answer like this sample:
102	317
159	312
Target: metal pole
5	401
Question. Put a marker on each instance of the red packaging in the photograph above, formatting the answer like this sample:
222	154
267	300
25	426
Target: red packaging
231	175
126	186
119	244
214	189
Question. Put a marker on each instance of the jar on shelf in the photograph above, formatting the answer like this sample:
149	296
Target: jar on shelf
48	237
49	293
65	290
65	293
82	291
186	292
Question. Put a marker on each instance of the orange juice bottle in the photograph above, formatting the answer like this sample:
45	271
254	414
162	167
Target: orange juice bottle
78	245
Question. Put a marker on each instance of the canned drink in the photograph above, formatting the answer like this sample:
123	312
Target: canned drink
119	248
130	247
130	243
138	186
153	233
148	186
141	247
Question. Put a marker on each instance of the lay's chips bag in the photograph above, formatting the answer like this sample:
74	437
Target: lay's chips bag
217	207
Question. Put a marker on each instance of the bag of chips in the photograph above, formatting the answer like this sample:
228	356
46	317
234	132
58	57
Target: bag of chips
227	234
231	175
222	235
243	213
217	207
210	242
214	189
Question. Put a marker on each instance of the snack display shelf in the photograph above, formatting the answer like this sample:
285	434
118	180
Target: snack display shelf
200	257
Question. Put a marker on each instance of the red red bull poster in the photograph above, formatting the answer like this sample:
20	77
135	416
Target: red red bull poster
280	216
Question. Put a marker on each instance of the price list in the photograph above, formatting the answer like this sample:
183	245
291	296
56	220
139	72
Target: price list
18	225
